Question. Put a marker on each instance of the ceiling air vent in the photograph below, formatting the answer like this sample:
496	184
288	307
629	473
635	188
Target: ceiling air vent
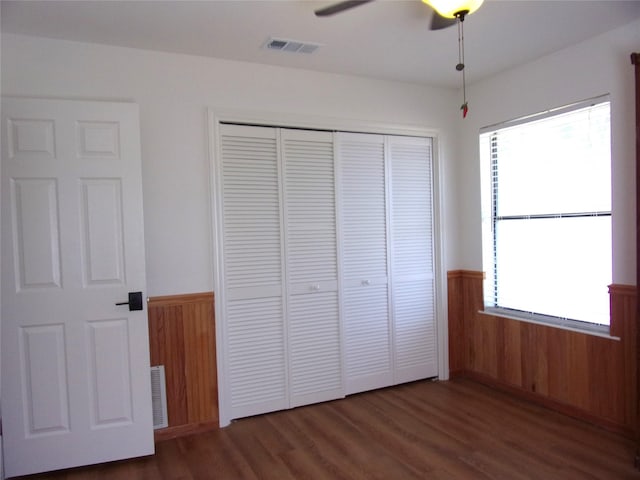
293	46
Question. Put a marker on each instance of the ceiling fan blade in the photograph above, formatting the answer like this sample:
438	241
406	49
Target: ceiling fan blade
438	22
339	7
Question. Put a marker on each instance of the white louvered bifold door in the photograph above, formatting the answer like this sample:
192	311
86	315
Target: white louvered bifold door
412	265
315	366
366	327
253	271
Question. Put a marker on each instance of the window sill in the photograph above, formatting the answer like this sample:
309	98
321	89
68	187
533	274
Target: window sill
589	329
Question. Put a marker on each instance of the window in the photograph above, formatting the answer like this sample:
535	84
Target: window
547	215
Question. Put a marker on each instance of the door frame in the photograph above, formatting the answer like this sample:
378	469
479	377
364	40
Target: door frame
635	61
286	120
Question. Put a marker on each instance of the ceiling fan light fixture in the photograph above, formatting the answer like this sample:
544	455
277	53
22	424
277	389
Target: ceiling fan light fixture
449	8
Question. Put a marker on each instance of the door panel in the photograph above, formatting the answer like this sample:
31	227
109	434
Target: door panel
99	140
363	201
30	139
256	360
252	295
102	231
367	337
413	291
36	237
44	380
75	367
415	334
109	372
315	357
314	348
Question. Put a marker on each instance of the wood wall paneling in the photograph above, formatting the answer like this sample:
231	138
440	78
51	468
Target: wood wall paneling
462	298
457	342
182	338
583	375
587	376
623	311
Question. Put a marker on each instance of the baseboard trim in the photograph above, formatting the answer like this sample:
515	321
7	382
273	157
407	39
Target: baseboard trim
546	402
457	374
184	430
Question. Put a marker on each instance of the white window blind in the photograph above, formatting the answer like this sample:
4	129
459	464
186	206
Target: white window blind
547	215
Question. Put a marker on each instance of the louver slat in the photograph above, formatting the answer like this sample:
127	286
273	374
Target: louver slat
253	270
312	267
412	258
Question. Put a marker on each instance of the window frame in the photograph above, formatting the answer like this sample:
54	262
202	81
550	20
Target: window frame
491	218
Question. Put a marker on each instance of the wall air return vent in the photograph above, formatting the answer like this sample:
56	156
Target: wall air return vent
292	46
159	397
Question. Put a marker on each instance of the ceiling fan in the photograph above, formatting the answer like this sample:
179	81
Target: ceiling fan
446	13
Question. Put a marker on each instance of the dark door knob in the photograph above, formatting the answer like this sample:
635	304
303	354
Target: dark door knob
135	301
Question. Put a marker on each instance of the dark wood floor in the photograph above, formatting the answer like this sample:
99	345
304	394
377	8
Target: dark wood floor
424	430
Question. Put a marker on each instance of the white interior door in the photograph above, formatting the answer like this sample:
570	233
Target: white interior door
75	366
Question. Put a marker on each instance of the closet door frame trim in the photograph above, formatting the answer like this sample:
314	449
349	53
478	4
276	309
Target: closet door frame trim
215	117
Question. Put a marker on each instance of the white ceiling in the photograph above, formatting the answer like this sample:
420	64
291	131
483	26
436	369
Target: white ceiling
386	39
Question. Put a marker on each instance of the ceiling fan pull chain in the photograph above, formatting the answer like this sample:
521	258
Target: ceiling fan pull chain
460	65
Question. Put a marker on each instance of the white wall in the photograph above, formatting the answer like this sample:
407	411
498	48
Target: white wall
598	66
173	92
